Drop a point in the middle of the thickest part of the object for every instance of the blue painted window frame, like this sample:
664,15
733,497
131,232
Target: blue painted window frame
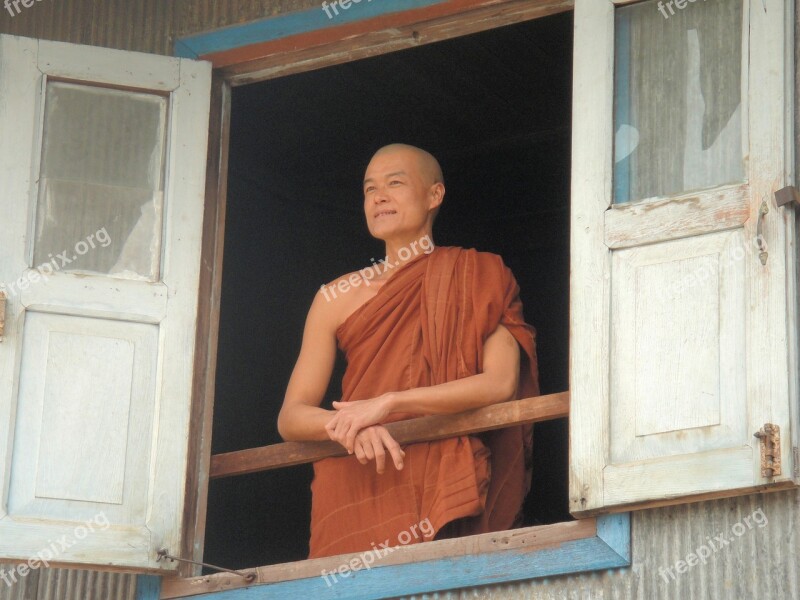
609,548
295,23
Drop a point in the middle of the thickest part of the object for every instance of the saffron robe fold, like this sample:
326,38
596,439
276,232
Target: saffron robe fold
427,325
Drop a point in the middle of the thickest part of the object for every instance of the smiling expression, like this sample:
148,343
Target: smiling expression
399,195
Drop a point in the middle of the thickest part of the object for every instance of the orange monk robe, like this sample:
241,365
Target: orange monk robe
427,325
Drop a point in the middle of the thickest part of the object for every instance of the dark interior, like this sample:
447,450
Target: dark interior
494,108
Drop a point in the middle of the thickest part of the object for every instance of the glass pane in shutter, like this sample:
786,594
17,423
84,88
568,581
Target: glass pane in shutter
100,200
677,97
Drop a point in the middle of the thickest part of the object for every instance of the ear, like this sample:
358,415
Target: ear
436,195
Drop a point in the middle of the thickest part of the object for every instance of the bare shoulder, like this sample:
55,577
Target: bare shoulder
344,295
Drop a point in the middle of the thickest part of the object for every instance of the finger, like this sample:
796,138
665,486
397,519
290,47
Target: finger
369,452
331,425
337,405
331,433
347,436
331,429
339,439
341,430
361,453
350,438
395,451
380,455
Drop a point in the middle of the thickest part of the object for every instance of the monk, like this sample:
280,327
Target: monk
428,330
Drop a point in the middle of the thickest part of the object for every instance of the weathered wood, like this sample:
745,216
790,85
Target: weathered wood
683,499
201,420
117,352
676,217
678,343
527,539
496,416
372,37
589,293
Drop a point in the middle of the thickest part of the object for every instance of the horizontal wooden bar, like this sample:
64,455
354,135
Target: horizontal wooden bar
495,416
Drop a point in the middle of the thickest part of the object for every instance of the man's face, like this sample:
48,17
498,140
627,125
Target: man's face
397,195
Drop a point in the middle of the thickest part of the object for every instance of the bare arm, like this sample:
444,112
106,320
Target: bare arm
301,417
496,383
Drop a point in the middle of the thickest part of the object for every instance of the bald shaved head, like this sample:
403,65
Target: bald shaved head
424,163
403,190
428,165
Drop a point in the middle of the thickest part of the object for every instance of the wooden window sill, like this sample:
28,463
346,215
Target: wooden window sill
545,550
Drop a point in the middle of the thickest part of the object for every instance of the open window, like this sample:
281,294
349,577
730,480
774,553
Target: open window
506,162
682,299
294,220
670,165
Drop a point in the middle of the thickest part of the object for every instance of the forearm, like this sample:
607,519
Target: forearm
496,383
454,396
303,423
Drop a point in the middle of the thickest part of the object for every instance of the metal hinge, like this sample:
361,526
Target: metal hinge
770,437
796,453
787,195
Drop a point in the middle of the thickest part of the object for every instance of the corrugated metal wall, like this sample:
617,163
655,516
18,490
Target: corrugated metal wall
759,562
97,22
762,563
141,25
70,584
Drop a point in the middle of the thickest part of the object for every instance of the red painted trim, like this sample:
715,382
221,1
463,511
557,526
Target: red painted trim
334,34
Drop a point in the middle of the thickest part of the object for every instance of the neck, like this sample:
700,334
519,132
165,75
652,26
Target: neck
399,252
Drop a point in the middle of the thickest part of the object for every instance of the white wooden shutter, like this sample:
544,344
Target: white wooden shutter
682,343
102,163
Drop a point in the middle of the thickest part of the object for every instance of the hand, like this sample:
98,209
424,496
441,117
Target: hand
352,417
372,442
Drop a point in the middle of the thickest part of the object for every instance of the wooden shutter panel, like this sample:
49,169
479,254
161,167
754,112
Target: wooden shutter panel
682,340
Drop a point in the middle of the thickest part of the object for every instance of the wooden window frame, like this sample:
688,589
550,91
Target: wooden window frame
513,555
299,42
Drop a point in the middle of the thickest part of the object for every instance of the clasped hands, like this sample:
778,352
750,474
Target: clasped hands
356,426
